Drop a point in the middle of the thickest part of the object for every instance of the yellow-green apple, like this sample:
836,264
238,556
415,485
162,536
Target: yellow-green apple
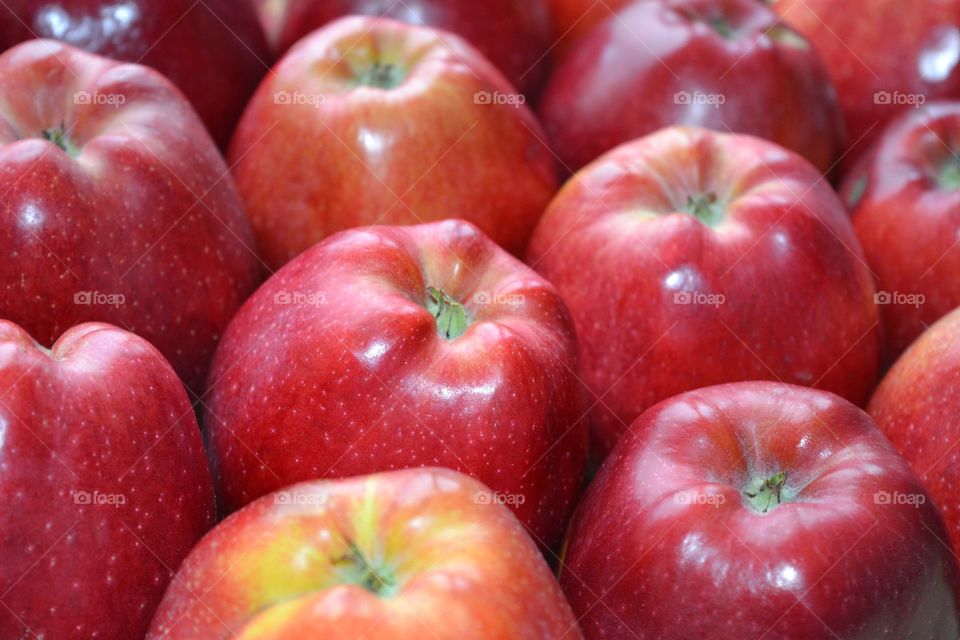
759,510
724,64
690,258
116,207
904,196
513,34
214,51
103,482
917,406
375,121
392,347
420,553
884,57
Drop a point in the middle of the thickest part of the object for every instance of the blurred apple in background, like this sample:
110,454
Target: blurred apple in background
573,18
513,34
414,554
905,200
116,207
884,56
214,51
103,481
690,258
917,406
759,510
393,347
373,121
723,64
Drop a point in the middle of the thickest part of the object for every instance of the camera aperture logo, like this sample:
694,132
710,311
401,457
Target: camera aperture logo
299,298
699,298
298,98
897,498
499,98
98,299
715,100
915,300
115,100
98,499
504,499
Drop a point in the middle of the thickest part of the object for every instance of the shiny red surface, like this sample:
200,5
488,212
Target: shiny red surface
797,299
103,482
664,544
335,367
661,63
573,18
141,226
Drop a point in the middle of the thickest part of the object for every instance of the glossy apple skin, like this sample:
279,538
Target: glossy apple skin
666,526
102,414
917,406
797,300
357,379
513,34
572,19
889,46
146,209
215,51
908,222
422,151
623,81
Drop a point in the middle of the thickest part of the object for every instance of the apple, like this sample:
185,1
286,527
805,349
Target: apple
420,553
690,258
372,121
573,18
759,510
103,481
904,196
723,64
883,59
215,51
117,207
392,347
917,406
513,34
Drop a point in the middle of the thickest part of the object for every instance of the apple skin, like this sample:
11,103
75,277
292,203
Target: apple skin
215,51
144,210
889,48
782,290
103,480
667,522
335,367
422,151
445,561
904,199
572,19
917,406
629,76
513,34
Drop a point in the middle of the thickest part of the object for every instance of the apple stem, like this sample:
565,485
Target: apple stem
769,494
451,316
382,75
948,178
705,208
58,136
366,576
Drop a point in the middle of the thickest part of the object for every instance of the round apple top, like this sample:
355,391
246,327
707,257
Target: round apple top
755,510
423,553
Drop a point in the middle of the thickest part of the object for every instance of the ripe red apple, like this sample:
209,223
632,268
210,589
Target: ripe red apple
116,207
421,553
374,121
393,347
723,64
103,482
917,406
573,18
214,51
513,34
759,510
884,59
690,258
905,200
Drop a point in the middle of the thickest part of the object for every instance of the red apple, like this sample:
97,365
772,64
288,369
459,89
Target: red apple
905,201
884,58
759,510
723,64
116,207
103,482
573,18
371,121
393,347
214,51
424,553
918,407
513,34
690,258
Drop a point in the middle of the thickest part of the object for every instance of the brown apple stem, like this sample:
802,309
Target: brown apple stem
451,316
58,136
364,574
769,494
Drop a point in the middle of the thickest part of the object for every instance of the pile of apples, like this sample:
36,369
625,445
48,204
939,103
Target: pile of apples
479,319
